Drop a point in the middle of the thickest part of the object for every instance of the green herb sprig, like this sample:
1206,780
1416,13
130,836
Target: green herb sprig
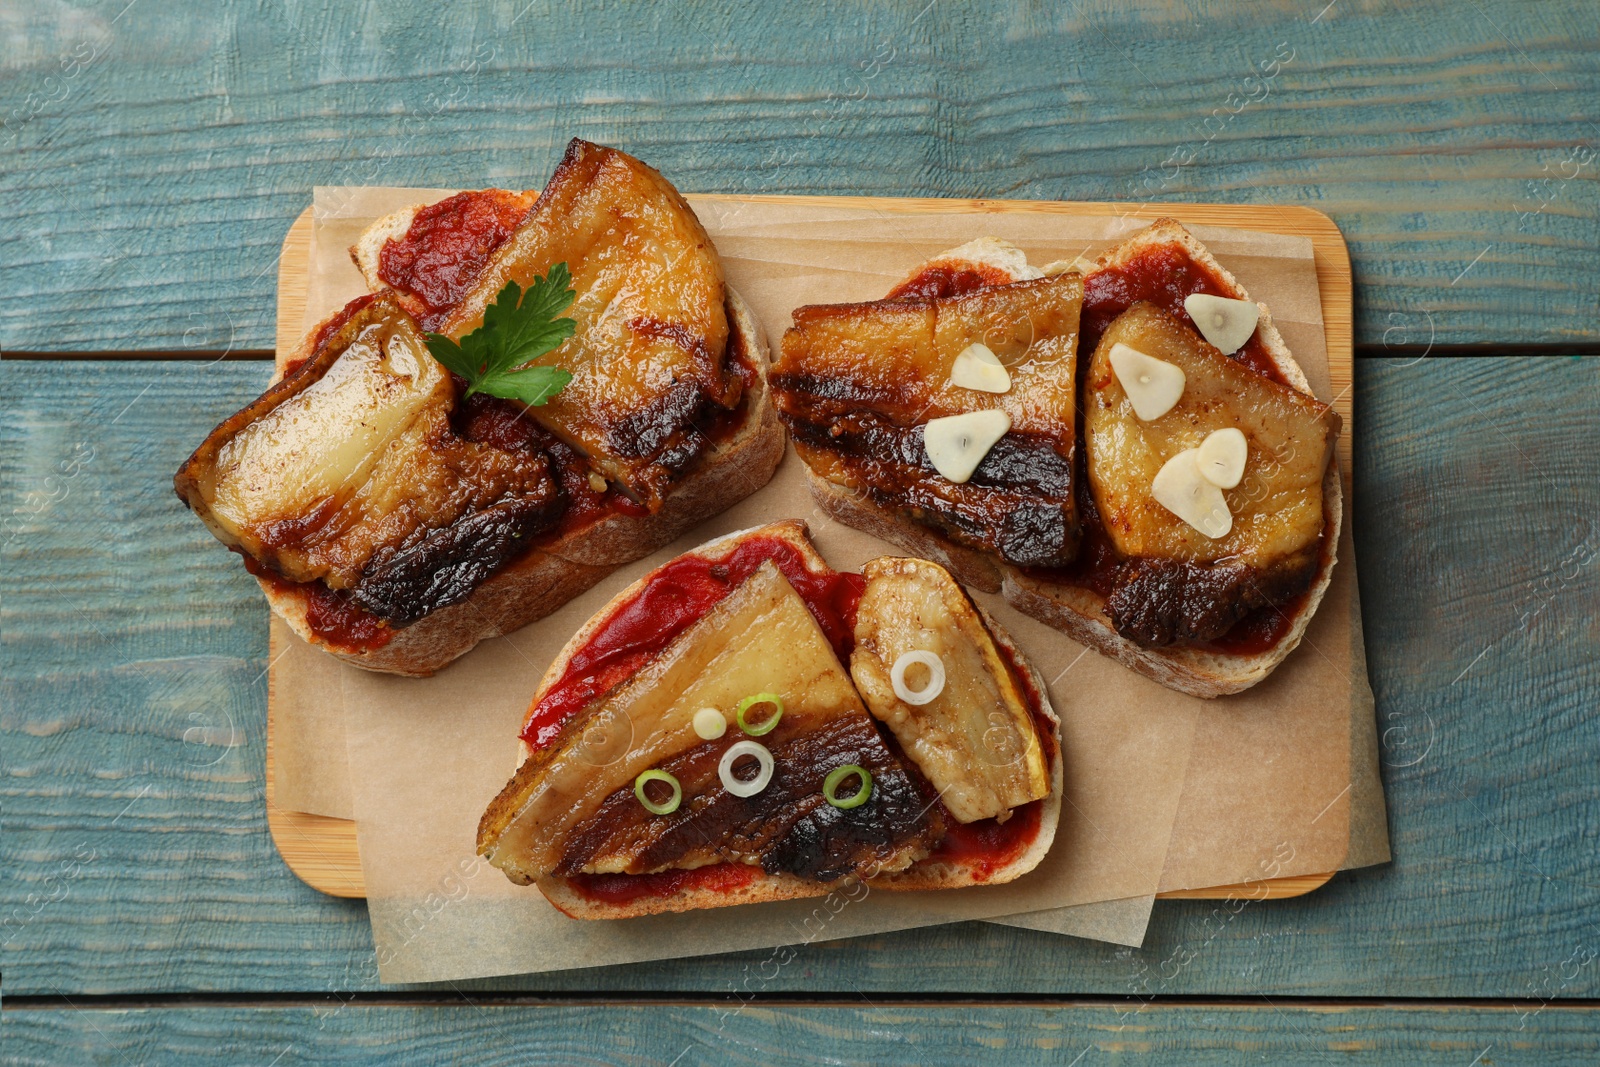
519,326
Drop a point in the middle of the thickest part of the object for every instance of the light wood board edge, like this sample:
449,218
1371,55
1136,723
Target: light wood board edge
322,852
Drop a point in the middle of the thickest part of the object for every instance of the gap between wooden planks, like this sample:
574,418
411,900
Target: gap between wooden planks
322,851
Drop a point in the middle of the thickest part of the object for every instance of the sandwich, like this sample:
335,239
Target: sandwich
1127,452
535,391
745,724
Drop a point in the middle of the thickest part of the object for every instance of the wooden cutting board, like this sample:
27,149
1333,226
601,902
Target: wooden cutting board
322,851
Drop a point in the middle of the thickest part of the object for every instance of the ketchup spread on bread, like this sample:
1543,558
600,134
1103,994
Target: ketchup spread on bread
626,888
674,597
935,282
1260,630
442,254
987,846
1163,276
330,616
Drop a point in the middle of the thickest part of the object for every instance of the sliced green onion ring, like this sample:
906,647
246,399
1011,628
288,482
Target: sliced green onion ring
836,777
672,802
766,725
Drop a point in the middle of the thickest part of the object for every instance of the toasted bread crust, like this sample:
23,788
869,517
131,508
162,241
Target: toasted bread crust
764,889
987,256
770,887
546,578
367,252
1078,612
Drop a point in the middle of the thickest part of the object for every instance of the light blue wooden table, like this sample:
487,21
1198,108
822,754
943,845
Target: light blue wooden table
154,155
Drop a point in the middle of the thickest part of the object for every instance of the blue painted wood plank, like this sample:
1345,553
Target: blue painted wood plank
1201,1036
153,159
132,715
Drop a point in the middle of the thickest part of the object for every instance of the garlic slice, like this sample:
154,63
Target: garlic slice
1226,323
1153,385
1183,490
977,367
1221,457
710,724
957,443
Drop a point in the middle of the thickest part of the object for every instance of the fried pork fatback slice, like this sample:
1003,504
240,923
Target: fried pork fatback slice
976,740
571,807
1180,582
348,472
647,358
857,382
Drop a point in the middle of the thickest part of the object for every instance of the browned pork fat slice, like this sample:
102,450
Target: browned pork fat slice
648,355
348,472
571,808
1179,582
856,384
974,734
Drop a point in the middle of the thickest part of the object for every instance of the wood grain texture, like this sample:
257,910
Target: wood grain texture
629,1036
324,853
132,722
153,159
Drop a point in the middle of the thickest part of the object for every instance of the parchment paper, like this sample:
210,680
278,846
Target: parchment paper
426,755
310,768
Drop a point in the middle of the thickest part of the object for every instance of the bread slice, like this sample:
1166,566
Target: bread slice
545,578
1074,610
367,252
1080,613
924,874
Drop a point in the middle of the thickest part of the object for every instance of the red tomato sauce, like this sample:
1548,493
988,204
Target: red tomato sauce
329,615
1260,630
444,251
626,888
935,282
1164,276
674,597
339,622
987,846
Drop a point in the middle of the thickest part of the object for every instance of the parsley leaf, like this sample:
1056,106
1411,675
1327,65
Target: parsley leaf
518,327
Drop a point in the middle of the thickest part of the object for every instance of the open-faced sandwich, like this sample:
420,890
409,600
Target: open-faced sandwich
1129,453
746,724
536,391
